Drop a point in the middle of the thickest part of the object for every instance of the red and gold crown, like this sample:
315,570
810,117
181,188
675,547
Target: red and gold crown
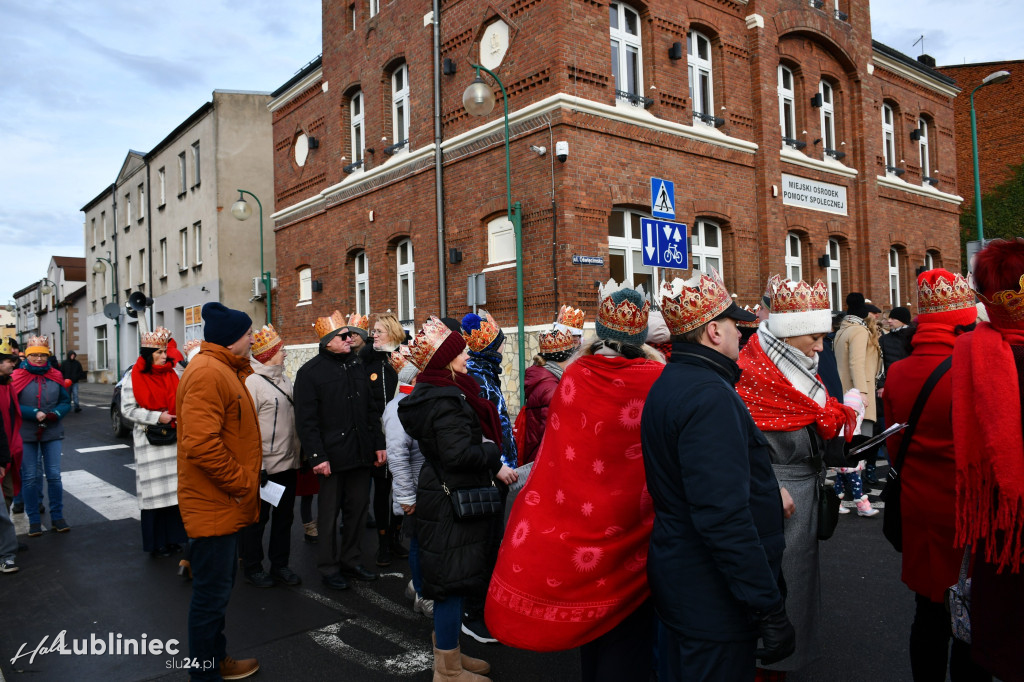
570,319
940,291
397,358
266,343
357,320
325,325
688,304
1006,308
787,296
157,338
556,341
753,311
625,317
190,346
484,335
426,342
37,344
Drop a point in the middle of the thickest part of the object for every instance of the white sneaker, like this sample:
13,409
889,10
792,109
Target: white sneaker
864,508
843,509
8,566
424,606
410,592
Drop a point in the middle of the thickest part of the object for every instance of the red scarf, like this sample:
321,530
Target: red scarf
155,390
484,408
989,444
23,377
777,405
11,421
573,562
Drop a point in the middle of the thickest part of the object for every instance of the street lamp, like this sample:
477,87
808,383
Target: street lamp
994,78
99,267
242,210
50,287
479,101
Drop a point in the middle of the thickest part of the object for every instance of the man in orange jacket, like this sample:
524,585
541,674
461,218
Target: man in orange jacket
219,461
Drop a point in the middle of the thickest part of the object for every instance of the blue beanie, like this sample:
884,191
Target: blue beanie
471,322
224,326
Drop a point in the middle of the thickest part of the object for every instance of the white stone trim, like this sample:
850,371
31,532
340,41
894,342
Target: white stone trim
926,191
295,208
493,268
755,21
914,75
294,91
828,166
361,176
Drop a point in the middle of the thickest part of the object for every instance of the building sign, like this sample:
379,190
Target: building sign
817,196
587,260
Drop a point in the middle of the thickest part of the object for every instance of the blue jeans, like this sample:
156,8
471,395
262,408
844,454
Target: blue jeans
414,564
32,478
214,562
448,622
74,394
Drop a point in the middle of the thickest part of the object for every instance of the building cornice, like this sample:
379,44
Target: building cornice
295,90
797,159
929,191
899,69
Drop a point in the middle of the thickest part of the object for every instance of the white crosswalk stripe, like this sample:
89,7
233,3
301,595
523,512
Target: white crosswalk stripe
108,500
104,448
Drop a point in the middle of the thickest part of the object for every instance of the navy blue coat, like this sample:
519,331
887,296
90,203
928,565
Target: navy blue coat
716,547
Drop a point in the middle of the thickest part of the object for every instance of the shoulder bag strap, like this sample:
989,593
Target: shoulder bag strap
269,381
915,414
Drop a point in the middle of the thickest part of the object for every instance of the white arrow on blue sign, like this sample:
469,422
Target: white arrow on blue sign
665,244
663,199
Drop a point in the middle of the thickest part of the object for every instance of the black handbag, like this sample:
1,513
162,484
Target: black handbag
161,434
472,504
892,520
828,510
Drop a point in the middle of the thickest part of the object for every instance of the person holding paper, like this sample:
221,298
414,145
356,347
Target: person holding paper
271,392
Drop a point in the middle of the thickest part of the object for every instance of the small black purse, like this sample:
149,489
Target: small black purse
472,504
161,434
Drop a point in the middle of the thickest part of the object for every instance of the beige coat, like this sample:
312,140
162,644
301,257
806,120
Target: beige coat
271,391
858,357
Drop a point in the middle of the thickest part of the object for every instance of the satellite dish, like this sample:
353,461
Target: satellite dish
112,310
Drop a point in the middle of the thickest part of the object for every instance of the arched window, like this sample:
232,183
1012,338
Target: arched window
889,137
787,105
894,277
625,249
706,246
698,50
834,275
406,280
305,285
794,264
924,148
828,117
357,127
362,272
627,64
400,106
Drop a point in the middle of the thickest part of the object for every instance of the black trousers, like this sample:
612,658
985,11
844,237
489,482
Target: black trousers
346,493
929,647
625,652
250,539
681,659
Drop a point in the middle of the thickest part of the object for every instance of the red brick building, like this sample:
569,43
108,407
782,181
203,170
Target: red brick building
999,110
788,133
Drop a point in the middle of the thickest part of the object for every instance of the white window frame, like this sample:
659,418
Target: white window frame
94,242
197,230
128,270
357,126
400,103
888,137
406,273
926,163
894,277
101,361
632,249
127,210
163,257
828,116
305,284
142,266
142,201
183,243
103,219
624,43
699,249
794,258
182,178
929,260
834,274
787,103
362,281
501,241
196,175
194,330
374,8
700,73
162,175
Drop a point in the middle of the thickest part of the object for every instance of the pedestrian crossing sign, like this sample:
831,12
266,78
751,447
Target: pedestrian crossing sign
663,199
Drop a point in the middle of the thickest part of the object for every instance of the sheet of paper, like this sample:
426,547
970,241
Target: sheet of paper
272,493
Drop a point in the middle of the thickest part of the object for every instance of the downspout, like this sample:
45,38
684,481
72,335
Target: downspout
117,286
554,220
149,245
438,163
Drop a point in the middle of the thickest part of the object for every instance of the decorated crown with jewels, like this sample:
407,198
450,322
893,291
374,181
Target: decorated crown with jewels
264,339
426,342
41,342
753,311
484,335
687,304
190,346
787,296
397,358
1006,308
157,338
625,317
556,341
942,294
325,325
570,318
357,320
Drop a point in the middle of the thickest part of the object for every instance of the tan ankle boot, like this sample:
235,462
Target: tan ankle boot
473,665
448,667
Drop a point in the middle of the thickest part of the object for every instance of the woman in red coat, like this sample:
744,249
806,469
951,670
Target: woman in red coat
541,383
931,560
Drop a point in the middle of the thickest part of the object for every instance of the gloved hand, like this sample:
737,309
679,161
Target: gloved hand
263,478
778,638
51,417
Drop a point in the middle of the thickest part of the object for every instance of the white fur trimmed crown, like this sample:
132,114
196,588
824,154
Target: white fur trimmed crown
798,308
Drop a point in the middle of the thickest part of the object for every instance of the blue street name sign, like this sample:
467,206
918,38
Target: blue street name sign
665,244
663,199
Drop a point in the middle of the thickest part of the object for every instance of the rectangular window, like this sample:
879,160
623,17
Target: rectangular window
163,257
828,117
374,8
625,252
706,245
406,280
501,241
142,266
894,277
627,60
100,359
794,263
94,242
193,323
128,273
198,230
127,211
162,178
787,108
183,235
835,275
926,167
182,182
305,285
358,133
888,137
142,201
362,284
400,105
195,164
352,16
698,49
103,219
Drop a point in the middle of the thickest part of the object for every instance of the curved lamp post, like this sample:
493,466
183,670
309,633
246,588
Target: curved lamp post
478,99
993,78
50,287
99,267
242,210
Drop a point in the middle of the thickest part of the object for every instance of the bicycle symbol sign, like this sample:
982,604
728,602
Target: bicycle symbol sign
665,244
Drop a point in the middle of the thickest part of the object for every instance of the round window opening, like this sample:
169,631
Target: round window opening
301,149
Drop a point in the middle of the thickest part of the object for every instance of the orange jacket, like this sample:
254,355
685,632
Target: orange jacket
219,445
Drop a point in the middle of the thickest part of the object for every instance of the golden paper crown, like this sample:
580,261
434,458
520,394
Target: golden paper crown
325,325
37,344
265,339
787,296
940,294
625,317
426,342
484,335
397,358
688,304
556,341
157,338
1006,308
570,318
753,311
190,346
5,347
360,321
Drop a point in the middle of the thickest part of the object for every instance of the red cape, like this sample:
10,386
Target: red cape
22,378
573,562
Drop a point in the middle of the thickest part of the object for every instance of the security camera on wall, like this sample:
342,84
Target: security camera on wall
562,151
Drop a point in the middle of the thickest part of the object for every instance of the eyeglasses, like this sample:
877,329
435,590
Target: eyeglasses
374,332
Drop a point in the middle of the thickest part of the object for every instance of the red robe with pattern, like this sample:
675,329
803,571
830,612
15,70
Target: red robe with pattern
573,563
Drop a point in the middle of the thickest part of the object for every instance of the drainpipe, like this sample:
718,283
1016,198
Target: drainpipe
117,286
150,280
438,164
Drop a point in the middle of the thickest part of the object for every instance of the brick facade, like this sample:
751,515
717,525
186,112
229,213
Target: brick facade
561,88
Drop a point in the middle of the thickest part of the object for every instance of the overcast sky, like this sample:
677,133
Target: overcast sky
83,82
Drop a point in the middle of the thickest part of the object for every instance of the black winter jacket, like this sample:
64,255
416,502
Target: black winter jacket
382,377
716,547
453,555
333,412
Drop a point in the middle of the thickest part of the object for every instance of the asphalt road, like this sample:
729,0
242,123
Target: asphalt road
95,584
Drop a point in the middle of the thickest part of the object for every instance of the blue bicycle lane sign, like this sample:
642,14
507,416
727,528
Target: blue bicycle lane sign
665,244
